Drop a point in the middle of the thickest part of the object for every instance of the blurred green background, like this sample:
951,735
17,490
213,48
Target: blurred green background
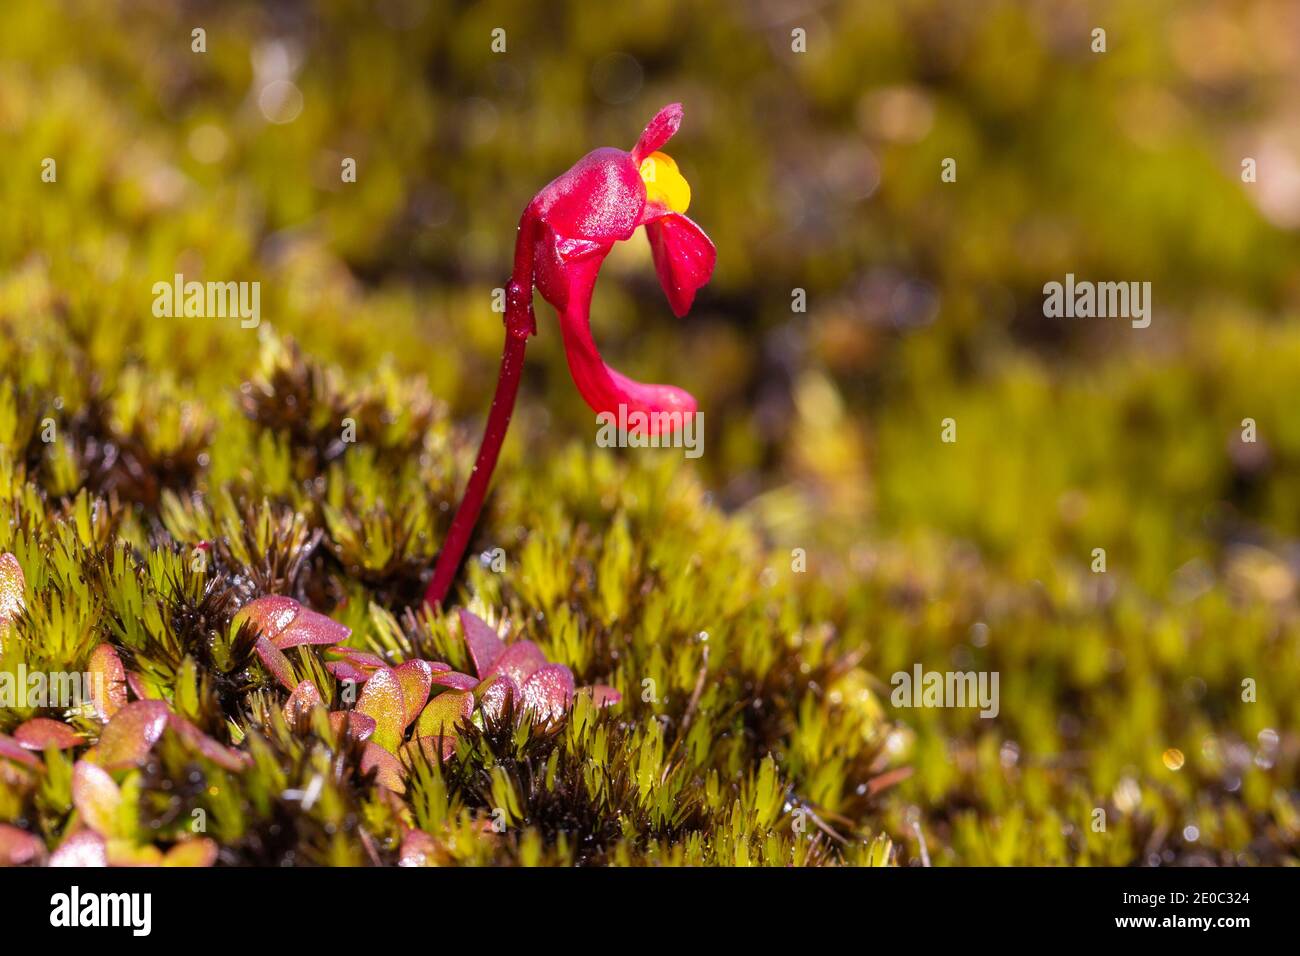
817,171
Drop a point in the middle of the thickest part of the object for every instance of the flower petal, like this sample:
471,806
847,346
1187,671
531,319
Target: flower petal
485,646
549,692
684,258
108,678
382,700
83,848
128,737
519,661
598,199
96,797
18,846
648,408
658,131
41,732
416,678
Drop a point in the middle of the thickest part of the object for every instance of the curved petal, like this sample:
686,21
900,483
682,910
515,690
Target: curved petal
684,258
662,407
658,131
599,198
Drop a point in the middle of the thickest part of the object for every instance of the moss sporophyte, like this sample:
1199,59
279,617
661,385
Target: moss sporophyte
565,234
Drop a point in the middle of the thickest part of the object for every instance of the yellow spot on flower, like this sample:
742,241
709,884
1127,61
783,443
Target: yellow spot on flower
664,184
1173,758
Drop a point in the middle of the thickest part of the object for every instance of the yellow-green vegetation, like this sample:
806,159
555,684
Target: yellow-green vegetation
1161,696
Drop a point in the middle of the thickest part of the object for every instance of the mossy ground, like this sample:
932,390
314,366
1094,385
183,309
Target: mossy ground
751,691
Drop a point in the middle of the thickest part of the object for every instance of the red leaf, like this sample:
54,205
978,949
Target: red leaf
41,732
360,727
418,849
218,753
549,692
197,852
382,700
389,770
602,695
360,658
128,737
83,848
300,703
456,680
494,692
108,678
347,671
13,589
484,644
96,797
311,627
17,752
275,662
18,846
270,615
416,678
441,719
518,661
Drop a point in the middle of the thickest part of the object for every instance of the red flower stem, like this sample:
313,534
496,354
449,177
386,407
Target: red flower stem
520,324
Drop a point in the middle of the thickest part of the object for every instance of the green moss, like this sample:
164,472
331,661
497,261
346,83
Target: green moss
756,725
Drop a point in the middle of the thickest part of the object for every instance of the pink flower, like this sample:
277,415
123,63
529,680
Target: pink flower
573,223
564,235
